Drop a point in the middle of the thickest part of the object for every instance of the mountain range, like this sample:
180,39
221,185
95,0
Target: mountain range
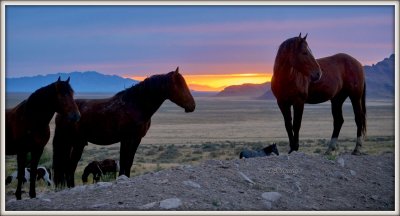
379,78
89,81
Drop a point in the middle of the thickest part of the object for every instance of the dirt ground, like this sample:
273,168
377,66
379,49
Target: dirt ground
277,183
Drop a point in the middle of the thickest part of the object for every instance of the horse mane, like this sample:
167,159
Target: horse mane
281,59
151,85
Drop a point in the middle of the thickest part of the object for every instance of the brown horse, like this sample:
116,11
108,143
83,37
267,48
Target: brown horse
300,78
27,126
99,169
124,118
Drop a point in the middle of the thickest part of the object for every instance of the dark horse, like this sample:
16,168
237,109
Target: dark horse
300,78
267,151
124,118
27,126
98,169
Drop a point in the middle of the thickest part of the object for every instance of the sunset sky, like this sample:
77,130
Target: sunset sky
214,46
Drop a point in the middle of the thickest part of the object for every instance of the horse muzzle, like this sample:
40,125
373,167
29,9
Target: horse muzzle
190,108
74,117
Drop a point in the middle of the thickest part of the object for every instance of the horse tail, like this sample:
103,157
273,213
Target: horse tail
61,150
364,112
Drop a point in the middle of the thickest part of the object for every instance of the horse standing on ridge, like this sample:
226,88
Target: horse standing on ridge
299,78
123,118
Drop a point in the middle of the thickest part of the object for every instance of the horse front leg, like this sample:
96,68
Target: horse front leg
34,164
287,116
127,153
21,161
298,109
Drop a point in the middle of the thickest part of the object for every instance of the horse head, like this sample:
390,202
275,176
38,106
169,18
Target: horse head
179,92
65,100
301,58
275,149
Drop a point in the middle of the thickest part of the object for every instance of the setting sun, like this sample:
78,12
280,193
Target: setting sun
217,82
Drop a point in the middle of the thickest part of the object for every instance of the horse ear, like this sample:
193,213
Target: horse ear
59,79
300,35
68,79
177,70
305,37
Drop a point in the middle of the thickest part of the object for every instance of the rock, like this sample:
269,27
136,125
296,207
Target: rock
352,172
375,197
81,188
271,196
148,206
171,203
99,205
46,200
163,181
191,184
103,184
246,178
122,178
268,205
340,161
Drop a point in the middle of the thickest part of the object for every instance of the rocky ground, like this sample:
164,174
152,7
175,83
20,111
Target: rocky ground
278,183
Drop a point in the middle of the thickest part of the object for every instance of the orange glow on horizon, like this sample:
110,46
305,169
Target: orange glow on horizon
217,82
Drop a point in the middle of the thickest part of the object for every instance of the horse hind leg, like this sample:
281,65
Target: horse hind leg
360,122
337,113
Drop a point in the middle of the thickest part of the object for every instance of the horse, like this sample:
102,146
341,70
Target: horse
124,118
299,78
27,126
267,151
42,173
98,169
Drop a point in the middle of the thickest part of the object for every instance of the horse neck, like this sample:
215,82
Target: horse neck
86,173
268,149
41,105
147,98
284,72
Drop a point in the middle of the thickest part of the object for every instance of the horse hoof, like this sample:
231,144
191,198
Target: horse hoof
329,151
32,195
291,150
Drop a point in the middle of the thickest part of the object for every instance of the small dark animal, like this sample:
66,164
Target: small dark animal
42,173
267,151
98,169
124,118
299,78
27,126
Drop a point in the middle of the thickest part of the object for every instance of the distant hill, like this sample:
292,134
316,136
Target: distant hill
379,77
245,90
89,81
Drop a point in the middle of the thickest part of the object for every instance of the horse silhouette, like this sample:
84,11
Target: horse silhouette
123,118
